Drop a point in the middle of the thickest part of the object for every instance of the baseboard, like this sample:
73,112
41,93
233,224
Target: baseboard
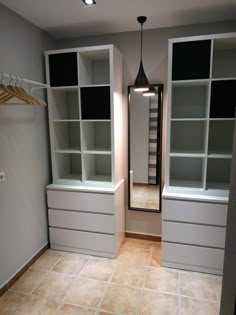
148,237
22,270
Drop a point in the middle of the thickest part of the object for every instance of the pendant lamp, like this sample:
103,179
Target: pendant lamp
150,92
141,83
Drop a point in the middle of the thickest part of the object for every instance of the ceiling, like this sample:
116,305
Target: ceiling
71,18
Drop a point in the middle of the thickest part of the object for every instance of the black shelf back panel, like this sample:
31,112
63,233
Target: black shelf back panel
95,102
191,60
223,99
63,69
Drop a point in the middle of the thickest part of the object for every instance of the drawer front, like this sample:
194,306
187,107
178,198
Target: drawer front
210,258
82,240
79,201
194,212
193,234
92,222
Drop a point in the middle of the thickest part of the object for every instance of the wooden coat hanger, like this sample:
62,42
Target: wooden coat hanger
18,95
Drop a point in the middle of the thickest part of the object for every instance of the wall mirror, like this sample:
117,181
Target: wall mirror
144,149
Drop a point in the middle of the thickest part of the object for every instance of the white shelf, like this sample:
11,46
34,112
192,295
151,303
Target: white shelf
223,79
221,119
98,151
73,88
219,155
186,83
188,119
94,85
65,120
70,150
182,154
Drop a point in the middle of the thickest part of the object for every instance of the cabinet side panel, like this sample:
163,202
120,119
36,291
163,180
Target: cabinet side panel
119,215
118,119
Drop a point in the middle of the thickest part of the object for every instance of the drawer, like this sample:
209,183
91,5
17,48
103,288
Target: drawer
80,201
208,258
92,222
82,240
201,235
194,212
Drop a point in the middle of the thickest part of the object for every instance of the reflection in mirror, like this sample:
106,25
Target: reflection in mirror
144,171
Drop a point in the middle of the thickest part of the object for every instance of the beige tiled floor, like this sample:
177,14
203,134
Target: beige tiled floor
134,283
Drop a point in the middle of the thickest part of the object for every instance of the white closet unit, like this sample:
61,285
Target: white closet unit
201,115
86,199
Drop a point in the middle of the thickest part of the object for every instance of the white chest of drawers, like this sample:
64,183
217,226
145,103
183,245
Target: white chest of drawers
86,222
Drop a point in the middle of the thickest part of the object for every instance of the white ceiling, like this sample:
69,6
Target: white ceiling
71,18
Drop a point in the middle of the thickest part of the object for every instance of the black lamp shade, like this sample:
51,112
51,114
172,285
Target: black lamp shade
141,82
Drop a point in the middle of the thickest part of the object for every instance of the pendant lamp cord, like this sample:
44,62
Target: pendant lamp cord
141,48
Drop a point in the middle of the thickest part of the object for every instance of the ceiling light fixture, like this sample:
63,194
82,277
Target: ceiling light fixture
150,92
141,83
89,2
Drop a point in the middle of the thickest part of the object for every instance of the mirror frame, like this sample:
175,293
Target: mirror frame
159,148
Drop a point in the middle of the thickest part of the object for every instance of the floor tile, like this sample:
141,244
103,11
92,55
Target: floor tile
198,285
153,303
70,264
68,309
55,286
121,299
38,306
29,280
134,256
10,301
155,260
106,313
86,292
99,269
218,282
199,307
156,245
129,275
47,260
162,279
133,242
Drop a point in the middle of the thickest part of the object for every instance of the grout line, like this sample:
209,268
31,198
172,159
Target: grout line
179,297
106,289
144,281
76,278
216,292
29,294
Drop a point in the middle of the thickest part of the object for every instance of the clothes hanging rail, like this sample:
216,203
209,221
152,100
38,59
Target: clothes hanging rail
16,95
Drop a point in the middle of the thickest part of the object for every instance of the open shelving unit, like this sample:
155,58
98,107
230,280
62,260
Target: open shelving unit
201,120
201,113
86,200
82,112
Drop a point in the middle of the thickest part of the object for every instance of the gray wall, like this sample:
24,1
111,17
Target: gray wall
24,151
155,59
139,136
